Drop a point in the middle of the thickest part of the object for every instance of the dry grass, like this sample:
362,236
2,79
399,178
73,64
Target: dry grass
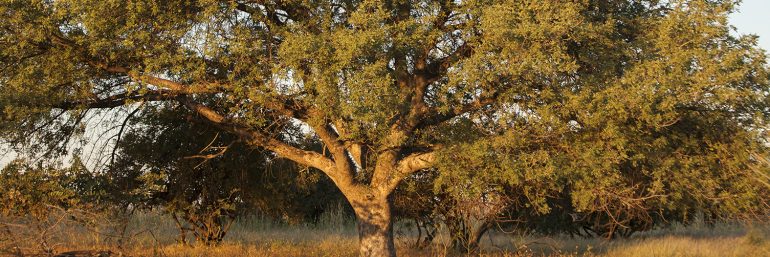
152,235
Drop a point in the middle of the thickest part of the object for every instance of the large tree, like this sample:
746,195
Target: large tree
391,86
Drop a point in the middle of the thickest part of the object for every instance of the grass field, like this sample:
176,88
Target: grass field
153,235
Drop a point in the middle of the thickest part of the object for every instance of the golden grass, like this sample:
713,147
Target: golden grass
153,235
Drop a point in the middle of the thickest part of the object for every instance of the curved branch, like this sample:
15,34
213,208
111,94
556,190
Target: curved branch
410,164
171,90
416,162
339,152
254,137
120,133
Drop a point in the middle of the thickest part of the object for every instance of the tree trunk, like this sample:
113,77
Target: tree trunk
375,229
475,239
458,233
465,238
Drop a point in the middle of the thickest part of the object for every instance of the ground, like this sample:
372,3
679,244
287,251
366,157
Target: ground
154,235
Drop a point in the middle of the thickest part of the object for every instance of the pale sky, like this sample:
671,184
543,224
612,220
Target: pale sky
753,17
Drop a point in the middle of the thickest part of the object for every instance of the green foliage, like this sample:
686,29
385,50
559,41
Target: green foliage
28,190
37,203
33,190
666,129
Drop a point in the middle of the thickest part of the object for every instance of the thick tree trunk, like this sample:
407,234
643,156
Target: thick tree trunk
375,229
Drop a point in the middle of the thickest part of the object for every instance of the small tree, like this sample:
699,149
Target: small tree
37,202
431,206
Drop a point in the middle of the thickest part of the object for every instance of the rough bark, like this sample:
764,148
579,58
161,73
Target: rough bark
375,228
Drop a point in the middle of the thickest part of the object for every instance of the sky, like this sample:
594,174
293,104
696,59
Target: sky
753,17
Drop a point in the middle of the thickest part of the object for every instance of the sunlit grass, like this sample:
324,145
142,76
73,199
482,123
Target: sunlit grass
151,234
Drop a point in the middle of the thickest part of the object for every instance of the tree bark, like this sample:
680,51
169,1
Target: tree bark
475,240
465,238
375,227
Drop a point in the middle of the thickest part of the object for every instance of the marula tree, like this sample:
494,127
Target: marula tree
391,87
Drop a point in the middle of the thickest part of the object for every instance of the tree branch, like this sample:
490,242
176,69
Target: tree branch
116,100
253,137
416,162
438,118
120,133
179,92
411,164
342,160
